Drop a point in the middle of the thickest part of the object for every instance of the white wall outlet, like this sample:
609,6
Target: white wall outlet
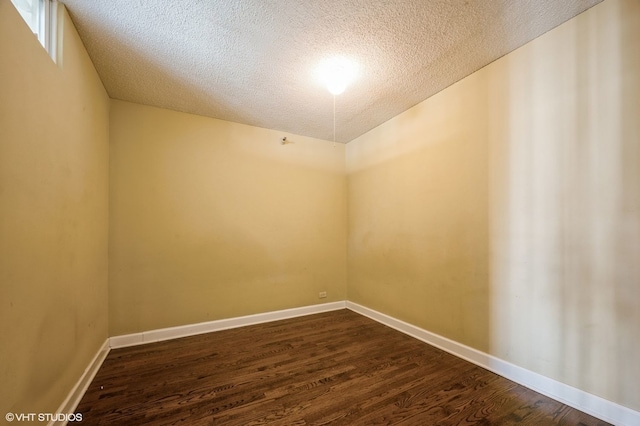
322,294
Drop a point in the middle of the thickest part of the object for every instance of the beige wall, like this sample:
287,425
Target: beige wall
504,212
53,216
211,219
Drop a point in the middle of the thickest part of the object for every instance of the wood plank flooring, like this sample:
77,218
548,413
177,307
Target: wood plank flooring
337,368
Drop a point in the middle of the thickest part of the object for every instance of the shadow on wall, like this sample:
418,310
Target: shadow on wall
565,205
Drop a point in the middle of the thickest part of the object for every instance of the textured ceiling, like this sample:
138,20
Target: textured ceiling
254,61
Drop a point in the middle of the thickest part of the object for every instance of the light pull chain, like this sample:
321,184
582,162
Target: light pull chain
334,121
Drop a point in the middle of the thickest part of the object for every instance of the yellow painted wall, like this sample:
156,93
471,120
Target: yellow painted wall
53,216
504,212
211,219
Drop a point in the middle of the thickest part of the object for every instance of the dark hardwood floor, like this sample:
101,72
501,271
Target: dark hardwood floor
336,368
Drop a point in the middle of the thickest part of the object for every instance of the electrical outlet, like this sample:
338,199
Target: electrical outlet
322,294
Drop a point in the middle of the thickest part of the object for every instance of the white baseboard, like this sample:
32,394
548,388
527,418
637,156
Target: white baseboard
75,396
77,392
218,325
576,398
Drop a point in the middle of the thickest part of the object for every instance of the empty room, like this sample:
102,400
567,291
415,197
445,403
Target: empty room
297,212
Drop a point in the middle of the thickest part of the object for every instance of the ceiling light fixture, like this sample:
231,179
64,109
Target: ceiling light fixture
336,74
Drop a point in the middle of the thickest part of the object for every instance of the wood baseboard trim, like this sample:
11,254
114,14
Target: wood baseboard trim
218,325
77,392
576,398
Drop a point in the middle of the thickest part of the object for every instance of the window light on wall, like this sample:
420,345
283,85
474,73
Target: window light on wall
40,16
